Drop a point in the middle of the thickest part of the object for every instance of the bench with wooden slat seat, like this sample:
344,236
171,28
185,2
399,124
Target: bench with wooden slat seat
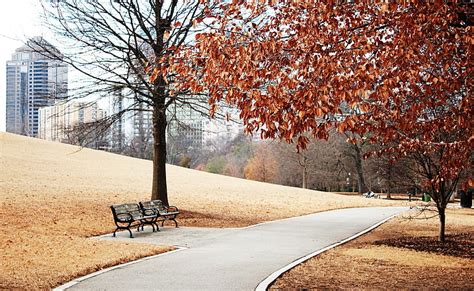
132,215
164,212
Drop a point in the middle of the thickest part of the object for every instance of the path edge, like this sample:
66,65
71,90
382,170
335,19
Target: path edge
80,279
263,286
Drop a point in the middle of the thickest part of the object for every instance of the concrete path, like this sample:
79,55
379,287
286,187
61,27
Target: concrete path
234,259
186,237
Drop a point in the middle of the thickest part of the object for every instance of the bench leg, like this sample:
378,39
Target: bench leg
127,228
122,227
150,222
175,222
173,219
153,224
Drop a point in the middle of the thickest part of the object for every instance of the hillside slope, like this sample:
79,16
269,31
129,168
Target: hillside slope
53,196
34,167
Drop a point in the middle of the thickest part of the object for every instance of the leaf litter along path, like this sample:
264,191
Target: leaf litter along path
369,262
238,259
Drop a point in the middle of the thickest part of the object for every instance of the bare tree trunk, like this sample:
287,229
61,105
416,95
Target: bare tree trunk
264,169
159,188
389,195
442,223
303,161
305,177
360,173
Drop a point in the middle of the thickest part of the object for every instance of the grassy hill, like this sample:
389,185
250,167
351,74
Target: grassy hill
53,196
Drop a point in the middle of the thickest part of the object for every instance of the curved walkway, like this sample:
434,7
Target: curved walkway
236,259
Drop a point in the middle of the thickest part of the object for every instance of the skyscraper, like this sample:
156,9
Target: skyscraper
118,127
35,78
60,122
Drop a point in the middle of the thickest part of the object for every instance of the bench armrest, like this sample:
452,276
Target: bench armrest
172,209
124,217
150,212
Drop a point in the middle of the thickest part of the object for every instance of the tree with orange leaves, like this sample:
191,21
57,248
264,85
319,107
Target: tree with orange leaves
395,74
262,166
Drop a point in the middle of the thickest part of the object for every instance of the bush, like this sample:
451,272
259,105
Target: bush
216,165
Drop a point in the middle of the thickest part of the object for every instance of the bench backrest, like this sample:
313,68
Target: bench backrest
121,211
154,204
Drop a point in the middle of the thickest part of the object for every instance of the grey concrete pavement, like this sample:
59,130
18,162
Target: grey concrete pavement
235,259
187,237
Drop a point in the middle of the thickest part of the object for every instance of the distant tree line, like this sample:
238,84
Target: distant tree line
332,165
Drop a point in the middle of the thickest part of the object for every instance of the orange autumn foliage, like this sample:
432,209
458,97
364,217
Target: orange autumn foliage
399,73
262,166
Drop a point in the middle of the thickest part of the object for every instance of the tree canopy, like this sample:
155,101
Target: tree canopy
396,71
399,75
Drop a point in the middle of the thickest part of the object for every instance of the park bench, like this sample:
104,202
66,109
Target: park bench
132,215
164,212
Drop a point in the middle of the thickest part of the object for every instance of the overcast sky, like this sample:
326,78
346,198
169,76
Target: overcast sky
19,19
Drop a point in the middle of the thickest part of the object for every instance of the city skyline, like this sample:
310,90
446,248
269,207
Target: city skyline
32,25
34,80
19,20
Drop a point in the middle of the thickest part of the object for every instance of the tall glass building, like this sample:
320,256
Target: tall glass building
36,77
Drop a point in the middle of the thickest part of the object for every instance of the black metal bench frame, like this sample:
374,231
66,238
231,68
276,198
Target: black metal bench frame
132,215
164,212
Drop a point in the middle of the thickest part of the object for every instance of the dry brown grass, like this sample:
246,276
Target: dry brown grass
53,196
361,264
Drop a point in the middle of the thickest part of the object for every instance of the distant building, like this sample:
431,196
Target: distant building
118,127
143,124
199,129
62,122
185,122
142,138
186,127
223,130
34,79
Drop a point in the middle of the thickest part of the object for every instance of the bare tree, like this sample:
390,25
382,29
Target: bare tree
89,134
428,166
113,44
354,148
319,166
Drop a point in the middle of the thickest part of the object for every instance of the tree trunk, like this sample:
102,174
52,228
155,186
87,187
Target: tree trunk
305,177
159,187
442,223
389,195
362,188
303,161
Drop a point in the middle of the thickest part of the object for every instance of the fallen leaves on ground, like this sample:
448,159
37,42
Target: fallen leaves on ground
456,245
400,254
